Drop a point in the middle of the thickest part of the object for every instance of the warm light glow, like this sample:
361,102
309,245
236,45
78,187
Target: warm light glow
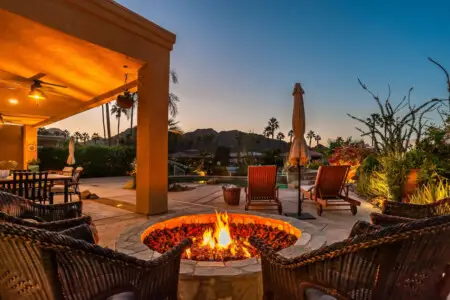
36,94
13,101
220,238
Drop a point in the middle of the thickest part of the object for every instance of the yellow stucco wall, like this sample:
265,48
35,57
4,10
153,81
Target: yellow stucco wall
11,143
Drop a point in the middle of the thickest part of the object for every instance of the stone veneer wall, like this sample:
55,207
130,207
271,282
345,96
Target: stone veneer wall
232,280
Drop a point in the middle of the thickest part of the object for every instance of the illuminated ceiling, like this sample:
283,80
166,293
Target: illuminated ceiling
88,70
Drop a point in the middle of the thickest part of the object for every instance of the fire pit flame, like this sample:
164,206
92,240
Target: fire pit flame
219,240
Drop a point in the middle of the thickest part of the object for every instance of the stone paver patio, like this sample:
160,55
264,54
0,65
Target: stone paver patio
113,212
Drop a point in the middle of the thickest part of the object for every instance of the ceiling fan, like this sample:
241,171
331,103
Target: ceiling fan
36,86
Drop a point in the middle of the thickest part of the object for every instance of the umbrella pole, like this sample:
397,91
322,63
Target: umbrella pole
300,215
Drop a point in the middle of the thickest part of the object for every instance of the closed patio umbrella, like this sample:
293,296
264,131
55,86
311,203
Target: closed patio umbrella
299,153
71,158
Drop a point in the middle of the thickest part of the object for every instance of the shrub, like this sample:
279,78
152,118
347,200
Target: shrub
431,192
396,171
97,160
348,155
315,164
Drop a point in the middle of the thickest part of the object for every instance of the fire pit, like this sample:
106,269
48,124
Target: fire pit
219,237
221,264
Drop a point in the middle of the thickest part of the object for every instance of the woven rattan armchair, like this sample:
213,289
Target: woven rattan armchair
49,265
20,207
398,212
406,261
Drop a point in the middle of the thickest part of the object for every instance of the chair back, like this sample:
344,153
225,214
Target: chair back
406,261
49,265
330,181
262,181
31,185
29,271
67,171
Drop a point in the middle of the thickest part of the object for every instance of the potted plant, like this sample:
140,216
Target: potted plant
126,100
33,164
6,167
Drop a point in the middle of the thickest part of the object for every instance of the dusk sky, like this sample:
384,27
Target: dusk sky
238,60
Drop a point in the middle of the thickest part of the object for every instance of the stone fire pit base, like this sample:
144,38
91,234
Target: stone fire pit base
232,280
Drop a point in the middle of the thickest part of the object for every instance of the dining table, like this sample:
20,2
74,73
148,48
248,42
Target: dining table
51,178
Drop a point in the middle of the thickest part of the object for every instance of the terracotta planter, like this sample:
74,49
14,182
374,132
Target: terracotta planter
232,195
410,185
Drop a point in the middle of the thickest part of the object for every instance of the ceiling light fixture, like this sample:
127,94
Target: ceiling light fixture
13,101
36,94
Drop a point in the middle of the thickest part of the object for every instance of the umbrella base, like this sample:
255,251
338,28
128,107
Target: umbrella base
302,216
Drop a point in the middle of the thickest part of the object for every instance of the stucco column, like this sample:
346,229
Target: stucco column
29,137
152,137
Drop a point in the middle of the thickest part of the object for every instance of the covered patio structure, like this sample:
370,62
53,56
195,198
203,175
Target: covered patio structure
84,45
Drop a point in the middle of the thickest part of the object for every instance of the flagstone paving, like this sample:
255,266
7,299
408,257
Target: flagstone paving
113,212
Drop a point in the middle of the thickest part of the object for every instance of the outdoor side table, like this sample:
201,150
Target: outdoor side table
231,195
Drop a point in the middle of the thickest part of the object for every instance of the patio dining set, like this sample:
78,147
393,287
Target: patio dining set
42,186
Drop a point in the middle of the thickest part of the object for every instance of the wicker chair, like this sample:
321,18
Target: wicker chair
405,261
49,265
20,207
398,212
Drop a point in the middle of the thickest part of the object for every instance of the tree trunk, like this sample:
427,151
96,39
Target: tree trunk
108,123
118,129
103,119
131,121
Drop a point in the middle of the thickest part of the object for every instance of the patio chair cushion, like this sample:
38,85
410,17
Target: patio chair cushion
314,294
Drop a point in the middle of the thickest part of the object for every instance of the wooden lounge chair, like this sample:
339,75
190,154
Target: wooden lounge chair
406,261
262,187
50,265
330,189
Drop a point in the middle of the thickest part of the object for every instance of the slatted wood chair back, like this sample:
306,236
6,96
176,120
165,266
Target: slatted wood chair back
262,182
31,185
330,181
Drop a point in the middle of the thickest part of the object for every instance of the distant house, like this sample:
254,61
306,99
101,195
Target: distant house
50,141
234,156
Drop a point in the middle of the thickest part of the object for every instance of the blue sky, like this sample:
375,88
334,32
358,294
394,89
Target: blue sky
237,60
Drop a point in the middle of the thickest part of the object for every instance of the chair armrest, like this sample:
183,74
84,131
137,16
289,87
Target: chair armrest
80,232
407,210
361,227
387,220
55,212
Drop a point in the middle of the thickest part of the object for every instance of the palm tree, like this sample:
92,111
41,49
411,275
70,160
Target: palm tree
280,136
108,123
132,111
117,111
77,136
273,126
85,137
103,119
291,135
95,137
310,135
267,132
66,134
173,99
317,138
173,127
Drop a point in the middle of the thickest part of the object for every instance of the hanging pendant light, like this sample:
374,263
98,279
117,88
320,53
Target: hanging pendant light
126,100
2,121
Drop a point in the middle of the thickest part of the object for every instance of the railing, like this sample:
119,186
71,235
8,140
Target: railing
176,168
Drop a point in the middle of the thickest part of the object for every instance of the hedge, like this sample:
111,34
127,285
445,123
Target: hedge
97,160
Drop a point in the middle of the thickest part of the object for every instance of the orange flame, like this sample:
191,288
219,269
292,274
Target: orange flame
220,238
